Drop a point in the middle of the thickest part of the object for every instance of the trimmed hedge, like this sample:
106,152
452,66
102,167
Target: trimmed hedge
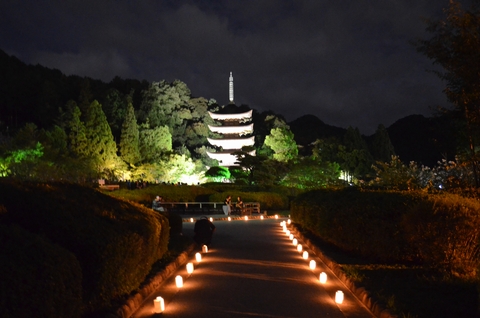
37,278
115,242
439,231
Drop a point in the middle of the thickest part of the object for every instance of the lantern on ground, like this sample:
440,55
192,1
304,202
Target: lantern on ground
191,220
289,221
198,257
291,236
299,247
305,255
323,277
276,216
158,305
246,218
189,268
313,264
339,297
229,218
211,219
295,242
204,249
179,281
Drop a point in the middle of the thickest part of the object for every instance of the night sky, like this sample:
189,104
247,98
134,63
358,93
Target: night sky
347,62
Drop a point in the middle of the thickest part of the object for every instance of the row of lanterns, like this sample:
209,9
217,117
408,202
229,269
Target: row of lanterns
159,302
339,296
230,218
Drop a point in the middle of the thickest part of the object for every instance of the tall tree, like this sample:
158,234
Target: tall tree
129,139
154,142
357,160
282,142
382,148
455,46
101,145
76,132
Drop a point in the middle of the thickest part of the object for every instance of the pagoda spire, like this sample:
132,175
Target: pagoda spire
230,88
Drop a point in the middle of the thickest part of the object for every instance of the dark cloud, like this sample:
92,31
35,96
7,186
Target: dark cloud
347,62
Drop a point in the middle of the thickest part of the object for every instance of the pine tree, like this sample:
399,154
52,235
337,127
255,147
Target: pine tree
154,142
129,139
77,137
382,148
101,145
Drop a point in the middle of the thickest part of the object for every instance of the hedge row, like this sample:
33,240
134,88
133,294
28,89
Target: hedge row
440,231
115,242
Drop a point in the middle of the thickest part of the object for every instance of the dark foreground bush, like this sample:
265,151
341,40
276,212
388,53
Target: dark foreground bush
37,278
441,231
115,242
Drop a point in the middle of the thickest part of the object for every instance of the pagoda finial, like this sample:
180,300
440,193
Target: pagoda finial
230,88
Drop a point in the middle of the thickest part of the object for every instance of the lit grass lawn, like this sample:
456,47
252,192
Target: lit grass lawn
409,291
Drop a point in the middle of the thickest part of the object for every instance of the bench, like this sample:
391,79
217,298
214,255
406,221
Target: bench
110,187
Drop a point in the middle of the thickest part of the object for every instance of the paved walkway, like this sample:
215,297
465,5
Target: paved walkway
253,270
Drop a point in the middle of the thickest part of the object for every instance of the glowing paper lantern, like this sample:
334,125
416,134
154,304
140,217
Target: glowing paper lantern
204,249
229,218
282,223
323,277
189,268
295,242
289,221
305,255
198,257
288,232
211,219
299,247
291,236
276,216
246,218
191,220
261,217
339,297
313,264
179,281
158,305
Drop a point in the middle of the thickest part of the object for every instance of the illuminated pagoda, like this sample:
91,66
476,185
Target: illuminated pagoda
236,130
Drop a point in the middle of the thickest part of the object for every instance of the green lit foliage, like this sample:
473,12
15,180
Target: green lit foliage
21,162
282,142
250,164
171,168
101,145
154,142
218,174
396,175
75,129
129,139
310,173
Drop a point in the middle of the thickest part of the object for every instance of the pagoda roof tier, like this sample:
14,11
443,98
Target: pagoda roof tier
226,158
244,129
236,143
238,116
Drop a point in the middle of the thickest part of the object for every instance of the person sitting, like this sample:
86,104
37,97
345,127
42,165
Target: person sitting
157,204
239,205
203,231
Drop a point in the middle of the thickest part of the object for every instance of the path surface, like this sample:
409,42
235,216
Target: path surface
253,270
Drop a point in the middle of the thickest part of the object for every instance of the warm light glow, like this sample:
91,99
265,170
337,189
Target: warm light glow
179,281
291,236
295,242
299,247
323,277
189,268
289,221
204,249
288,233
246,218
198,257
229,218
191,220
261,217
158,305
339,297
313,264
282,223
211,219
305,255
276,216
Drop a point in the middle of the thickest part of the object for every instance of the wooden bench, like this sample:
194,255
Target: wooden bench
110,187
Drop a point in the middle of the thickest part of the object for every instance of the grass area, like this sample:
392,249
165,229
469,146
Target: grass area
408,290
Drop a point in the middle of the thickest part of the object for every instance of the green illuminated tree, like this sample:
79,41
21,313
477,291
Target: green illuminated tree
101,145
129,139
282,142
154,142
455,46
75,128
